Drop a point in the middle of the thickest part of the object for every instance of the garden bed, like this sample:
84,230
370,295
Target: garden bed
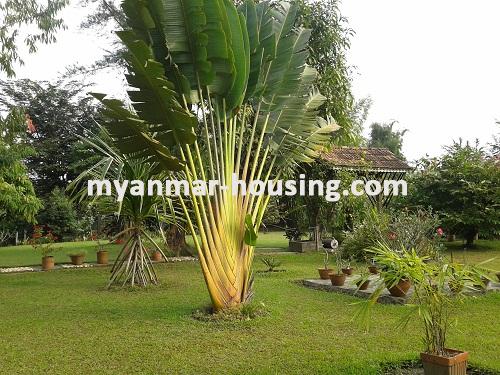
350,288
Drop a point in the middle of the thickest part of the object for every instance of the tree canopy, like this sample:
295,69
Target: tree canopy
462,187
17,196
384,135
42,20
60,113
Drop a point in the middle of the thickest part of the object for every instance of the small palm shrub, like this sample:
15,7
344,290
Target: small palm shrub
271,263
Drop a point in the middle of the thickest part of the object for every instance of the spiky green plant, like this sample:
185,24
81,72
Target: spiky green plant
133,266
238,79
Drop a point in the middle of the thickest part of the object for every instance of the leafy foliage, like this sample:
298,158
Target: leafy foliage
42,240
462,187
383,135
395,229
42,19
271,263
60,113
59,215
301,213
133,265
435,295
328,47
17,196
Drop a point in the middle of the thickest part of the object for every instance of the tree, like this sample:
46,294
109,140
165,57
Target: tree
133,265
244,73
328,47
60,112
41,19
59,215
383,135
17,196
462,187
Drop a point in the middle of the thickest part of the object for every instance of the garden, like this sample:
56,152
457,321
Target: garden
138,278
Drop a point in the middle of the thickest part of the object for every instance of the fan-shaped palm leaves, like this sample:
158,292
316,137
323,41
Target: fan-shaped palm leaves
237,78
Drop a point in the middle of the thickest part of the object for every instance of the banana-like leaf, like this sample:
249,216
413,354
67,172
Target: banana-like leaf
155,101
132,136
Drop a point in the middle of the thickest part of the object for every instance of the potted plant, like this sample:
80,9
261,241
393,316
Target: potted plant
363,281
43,242
77,258
338,278
372,268
348,270
399,268
434,304
156,256
325,271
102,253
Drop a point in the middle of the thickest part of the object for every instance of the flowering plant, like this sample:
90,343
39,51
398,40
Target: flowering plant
42,240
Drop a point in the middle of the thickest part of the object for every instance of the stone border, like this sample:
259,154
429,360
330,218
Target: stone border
350,288
23,269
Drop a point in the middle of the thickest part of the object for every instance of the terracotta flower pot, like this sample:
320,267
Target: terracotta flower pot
373,269
348,271
337,279
77,260
102,257
323,273
400,289
47,263
364,285
156,256
455,364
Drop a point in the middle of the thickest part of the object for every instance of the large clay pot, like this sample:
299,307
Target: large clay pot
324,272
102,257
364,285
156,256
455,364
348,271
400,289
47,263
77,260
337,279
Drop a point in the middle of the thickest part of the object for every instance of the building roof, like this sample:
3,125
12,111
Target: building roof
366,159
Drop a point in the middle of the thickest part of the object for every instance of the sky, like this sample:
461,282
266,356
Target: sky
433,66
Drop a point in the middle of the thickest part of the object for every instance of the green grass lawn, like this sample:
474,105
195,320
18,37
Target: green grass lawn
24,255
63,321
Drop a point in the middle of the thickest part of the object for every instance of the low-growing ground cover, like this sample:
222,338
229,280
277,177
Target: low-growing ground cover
65,322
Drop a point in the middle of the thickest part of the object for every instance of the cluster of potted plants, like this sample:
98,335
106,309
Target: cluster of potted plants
438,287
338,275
